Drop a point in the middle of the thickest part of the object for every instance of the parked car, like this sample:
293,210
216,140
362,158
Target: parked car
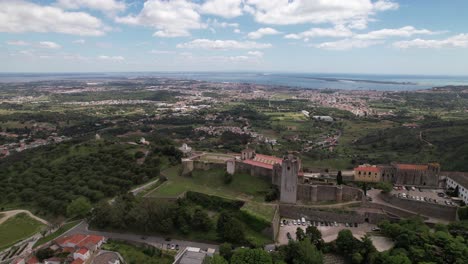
355,224
172,246
346,224
177,247
376,229
336,224
288,235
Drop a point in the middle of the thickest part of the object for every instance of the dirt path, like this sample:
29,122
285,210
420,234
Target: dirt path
9,214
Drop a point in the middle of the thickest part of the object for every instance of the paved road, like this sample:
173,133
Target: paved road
9,214
157,241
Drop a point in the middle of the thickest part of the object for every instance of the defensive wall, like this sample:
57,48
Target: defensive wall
328,193
423,208
338,215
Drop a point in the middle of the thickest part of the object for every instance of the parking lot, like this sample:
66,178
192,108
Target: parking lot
425,195
330,232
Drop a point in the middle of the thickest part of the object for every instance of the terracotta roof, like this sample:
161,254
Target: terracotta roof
82,251
33,260
78,261
74,239
367,169
90,240
264,161
411,166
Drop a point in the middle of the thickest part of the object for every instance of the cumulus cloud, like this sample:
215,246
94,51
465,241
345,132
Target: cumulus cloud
223,8
161,52
49,45
111,58
223,44
255,53
17,43
346,44
336,32
283,12
101,5
215,23
171,18
262,32
457,41
407,31
19,16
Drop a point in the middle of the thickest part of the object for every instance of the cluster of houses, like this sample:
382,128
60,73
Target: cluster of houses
75,249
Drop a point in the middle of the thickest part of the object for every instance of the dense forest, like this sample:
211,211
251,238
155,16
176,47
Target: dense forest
49,178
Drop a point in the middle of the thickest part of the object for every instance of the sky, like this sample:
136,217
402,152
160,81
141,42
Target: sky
426,37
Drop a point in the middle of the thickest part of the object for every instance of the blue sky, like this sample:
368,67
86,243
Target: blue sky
335,36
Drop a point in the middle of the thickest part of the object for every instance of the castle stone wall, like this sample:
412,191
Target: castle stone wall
424,208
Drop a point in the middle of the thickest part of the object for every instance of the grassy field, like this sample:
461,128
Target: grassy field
262,210
134,254
243,186
17,228
57,233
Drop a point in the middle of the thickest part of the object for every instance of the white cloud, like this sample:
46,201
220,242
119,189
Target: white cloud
255,53
171,18
336,32
49,45
262,32
346,44
223,44
457,41
407,31
111,58
79,41
284,12
161,52
384,5
237,31
17,16
223,8
17,43
101,5
215,23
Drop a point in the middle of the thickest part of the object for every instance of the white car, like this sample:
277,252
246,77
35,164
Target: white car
294,222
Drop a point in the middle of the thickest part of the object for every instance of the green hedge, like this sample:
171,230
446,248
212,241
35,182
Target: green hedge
254,222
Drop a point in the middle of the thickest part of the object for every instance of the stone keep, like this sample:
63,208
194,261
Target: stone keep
289,171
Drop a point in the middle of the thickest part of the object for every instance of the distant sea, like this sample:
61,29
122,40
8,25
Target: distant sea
303,80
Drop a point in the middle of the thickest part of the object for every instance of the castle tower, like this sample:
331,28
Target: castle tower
247,154
289,171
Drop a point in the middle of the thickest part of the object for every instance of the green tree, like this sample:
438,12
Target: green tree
339,178
300,235
79,207
314,235
307,254
201,220
225,250
217,259
346,243
251,256
386,187
357,258
227,178
230,228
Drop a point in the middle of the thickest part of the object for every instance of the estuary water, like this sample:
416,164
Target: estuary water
303,80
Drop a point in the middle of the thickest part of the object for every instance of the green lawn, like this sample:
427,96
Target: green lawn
243,186
17,228
57,233
262,210
134,254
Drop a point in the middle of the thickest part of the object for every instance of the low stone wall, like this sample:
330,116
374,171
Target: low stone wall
328,193
314,214
275,223
424,208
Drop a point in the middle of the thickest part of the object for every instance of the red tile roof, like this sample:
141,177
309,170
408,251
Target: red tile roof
367,169
90,240
78,261
411,166
263,161
33,260
82,251
74,239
